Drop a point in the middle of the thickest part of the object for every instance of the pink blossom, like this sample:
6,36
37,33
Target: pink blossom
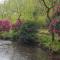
52,26
5,25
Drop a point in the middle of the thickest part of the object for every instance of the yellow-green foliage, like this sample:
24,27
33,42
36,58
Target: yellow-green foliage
46,40
29,10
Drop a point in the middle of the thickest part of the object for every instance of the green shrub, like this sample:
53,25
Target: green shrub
28,32
46,40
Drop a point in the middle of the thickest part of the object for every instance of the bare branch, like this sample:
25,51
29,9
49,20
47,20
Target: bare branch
45,4
48,9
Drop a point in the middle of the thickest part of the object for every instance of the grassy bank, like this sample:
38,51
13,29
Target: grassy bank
46,40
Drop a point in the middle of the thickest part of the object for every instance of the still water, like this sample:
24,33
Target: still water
8,51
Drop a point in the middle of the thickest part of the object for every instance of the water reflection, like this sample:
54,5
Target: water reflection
13,52
5,52
30,53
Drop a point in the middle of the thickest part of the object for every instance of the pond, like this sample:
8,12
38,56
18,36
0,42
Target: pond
8,51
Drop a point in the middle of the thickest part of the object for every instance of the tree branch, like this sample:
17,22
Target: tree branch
19,14
45,4
48,9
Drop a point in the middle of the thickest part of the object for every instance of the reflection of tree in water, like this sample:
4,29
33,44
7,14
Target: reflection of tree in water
30,53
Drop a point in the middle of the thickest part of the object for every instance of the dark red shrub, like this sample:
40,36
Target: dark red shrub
16,25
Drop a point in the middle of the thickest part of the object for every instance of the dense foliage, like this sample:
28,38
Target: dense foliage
28,32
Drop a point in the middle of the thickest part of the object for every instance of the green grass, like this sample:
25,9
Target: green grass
46,39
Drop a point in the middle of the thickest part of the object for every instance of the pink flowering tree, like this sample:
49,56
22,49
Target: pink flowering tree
5,25
54,27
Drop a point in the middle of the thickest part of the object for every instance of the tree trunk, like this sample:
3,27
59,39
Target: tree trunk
53,36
